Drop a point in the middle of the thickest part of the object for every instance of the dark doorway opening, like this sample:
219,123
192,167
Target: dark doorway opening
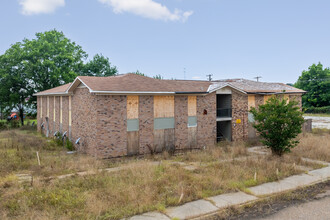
224,131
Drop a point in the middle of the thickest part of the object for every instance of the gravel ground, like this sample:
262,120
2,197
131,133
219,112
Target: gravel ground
319,122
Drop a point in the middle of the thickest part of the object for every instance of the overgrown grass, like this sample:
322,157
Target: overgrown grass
223,150
314,145
141,187
317,115
18,154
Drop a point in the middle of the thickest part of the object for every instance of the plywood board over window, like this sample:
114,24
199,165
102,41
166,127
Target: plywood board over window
163,106
286,96
132,107
266,97
192,105
252,101
132,125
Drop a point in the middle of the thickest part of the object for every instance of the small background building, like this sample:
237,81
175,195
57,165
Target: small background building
132,114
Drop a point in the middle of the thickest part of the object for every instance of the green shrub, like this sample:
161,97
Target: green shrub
318,110
14,124
3,125
69,145
278,123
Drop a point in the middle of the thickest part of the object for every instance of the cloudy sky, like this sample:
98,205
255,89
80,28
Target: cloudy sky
275,39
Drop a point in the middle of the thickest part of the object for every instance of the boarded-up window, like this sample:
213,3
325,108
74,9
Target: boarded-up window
132,107
192,111
192,121
132,124
163,123
286,96
266,97
132,113
192,105
164,106
252,101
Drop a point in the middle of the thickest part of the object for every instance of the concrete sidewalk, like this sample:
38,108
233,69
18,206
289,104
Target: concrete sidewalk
214,204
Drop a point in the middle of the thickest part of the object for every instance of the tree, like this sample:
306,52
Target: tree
48,61
316,81
52,60
99,66
278,123
14,85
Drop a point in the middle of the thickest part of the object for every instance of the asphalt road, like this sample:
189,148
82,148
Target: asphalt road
313,210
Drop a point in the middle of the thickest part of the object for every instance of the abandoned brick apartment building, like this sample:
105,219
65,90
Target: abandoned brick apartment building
131,114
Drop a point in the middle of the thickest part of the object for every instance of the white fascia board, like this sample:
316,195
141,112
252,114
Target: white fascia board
225,85
75,81
53,94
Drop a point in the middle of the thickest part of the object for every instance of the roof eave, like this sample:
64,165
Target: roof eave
53,94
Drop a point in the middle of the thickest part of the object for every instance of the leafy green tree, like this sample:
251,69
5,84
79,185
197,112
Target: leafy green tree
47,61
15,87
278,124
316,81
52,60
99,66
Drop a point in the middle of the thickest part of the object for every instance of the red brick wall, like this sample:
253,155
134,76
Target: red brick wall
181,121
259,100
146,123
206,124
83,112
111,126
297,98
239,111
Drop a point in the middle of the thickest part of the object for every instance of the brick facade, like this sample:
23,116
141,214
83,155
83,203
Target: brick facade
84,120
181,122
259,100
239,111
206,120
111,126
101,120
297,98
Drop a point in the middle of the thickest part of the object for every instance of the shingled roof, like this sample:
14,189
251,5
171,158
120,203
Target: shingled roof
60,90
249,86
136,83
133,83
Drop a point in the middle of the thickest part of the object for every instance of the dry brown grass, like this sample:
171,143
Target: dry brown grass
223,150
314,145
141,187
18,154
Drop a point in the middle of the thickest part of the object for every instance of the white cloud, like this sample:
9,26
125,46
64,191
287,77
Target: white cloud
196,77
148,9
31,7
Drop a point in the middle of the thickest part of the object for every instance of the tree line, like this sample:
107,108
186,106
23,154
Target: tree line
47,61
316,81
